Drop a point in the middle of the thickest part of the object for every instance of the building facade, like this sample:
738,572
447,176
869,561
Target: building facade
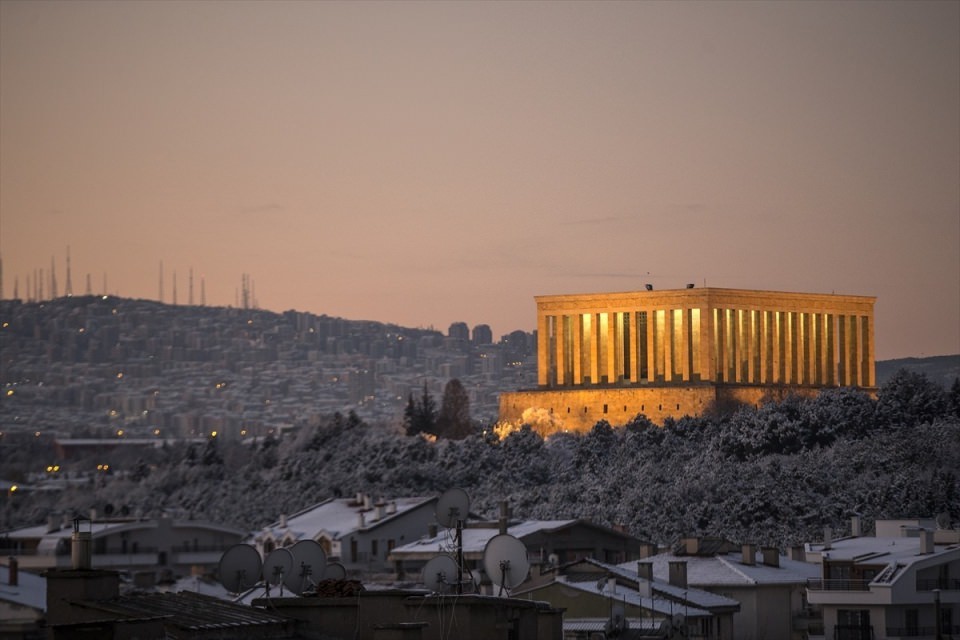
680,352
902,582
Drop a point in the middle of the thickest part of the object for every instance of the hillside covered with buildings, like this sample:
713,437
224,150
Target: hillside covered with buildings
238,416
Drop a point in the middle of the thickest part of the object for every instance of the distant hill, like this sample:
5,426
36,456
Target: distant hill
942,369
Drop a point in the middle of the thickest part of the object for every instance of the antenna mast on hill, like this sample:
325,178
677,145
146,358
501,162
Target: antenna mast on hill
68,286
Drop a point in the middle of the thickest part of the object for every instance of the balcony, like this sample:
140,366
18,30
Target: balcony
852,632
838,585
942,584
922,633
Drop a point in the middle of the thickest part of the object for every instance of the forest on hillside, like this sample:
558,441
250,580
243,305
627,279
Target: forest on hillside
775,475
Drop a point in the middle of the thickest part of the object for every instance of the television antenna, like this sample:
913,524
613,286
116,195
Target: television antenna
277,565
437,573
453,508
239,568
505,561
309,565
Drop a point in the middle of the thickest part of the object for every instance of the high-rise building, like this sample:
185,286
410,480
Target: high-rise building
612,356
482,335
460,331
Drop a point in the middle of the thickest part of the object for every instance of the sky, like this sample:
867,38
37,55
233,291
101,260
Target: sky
423,163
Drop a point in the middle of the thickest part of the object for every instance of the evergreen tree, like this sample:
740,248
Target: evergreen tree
410,416
453,421
420,417
427,413
910,398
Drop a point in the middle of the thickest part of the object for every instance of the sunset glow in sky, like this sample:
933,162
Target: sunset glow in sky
425,163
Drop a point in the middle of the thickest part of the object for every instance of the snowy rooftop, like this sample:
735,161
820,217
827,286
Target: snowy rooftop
903,550
339,516
633,597
475,539
30,590
729,570
691,594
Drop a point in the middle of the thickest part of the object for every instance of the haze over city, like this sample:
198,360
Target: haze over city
426,163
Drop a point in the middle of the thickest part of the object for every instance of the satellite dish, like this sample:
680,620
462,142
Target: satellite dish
440,573
452,506
309,564
505,561
277,565
239,568
335,571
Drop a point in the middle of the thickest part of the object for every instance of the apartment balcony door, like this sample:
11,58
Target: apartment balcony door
853,624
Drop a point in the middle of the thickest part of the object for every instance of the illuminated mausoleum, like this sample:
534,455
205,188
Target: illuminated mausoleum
612,356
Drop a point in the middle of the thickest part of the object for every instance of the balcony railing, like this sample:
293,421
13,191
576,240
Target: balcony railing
838,585
935,583
852,632
923,632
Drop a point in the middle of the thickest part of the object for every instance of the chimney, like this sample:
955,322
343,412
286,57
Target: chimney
81,549
381,510
361,520
14,567
645,571
611,585
678,573
503,516
52,524
771,556
359,497
647,550
392,506
827,538
283,521
367,502
748,554
926,541
691,545
855,527
798,553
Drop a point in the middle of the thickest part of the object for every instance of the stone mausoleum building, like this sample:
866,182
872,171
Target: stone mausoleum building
611,356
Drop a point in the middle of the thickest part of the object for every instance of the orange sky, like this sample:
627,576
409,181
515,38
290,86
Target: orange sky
425,163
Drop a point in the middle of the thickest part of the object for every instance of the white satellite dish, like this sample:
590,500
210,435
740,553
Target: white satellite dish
239,568
309,564
277,565
440,573
335,571
505,561
452,506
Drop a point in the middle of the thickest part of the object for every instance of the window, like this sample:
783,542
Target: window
911,619
373,548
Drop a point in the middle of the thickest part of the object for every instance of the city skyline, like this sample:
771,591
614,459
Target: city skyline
427,163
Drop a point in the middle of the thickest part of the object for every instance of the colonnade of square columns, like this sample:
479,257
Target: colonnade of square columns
712,335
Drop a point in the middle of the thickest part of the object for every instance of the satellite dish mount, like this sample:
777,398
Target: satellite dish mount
452,509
